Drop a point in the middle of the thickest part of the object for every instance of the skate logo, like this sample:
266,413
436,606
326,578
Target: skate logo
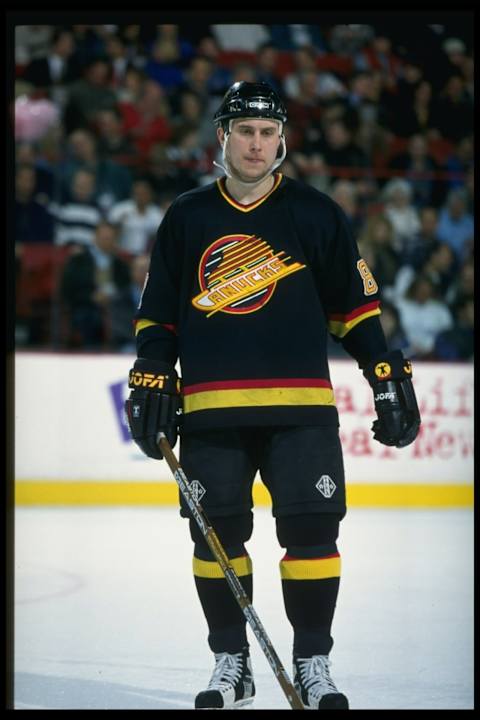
197,490
238,274
326,486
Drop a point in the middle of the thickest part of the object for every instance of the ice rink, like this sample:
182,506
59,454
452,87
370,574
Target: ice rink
106,614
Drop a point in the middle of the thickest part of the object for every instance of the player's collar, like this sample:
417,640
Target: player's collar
251,206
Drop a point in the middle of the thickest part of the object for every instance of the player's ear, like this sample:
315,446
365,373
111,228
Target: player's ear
220,135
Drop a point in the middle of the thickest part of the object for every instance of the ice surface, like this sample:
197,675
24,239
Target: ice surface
106,614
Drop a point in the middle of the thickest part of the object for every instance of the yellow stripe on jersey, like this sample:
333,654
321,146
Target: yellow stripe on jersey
142,324
311,569
252,397
340,329
211,569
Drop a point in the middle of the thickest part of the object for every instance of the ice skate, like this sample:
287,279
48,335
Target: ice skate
312,681
231,684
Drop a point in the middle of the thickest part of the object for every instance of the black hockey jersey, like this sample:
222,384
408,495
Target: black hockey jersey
245,295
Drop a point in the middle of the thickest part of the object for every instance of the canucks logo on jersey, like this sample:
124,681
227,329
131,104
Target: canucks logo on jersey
238,274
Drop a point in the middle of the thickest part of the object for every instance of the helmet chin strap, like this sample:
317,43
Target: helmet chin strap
226,164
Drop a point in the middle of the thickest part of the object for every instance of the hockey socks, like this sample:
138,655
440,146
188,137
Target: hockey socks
225,619
310,583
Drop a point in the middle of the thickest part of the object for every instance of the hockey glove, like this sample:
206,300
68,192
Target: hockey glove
390,378
154,404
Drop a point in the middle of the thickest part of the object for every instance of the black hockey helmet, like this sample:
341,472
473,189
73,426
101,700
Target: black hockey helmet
246,99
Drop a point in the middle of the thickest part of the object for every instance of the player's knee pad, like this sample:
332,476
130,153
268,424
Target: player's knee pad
231,530
308,530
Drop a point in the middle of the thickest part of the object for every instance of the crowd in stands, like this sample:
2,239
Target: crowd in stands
112,122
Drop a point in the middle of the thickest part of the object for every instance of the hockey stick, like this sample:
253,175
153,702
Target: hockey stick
231,577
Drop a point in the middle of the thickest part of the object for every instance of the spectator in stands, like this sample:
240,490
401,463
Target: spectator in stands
147,120
31,42
409,108
123,306
89,95
364,90
418,248
113,181
27,154
169,56
344,192
468,74
454,119
137,218
117,52
339,149
459,162
311,168
89,43
420,169
267,61
113,141
79,213
463,284
130,90
191,117
439,266
34,117
470,190
457,343
398,207
33,222
392,327
363,105
242,71
420,115
292,37
455,224
195,32
197,78
346,40
328,86
423,316
165,176
375,243
93,278
133,40
56,69
139,267
305,113
455,50
221,77
189,112
379,55
240,37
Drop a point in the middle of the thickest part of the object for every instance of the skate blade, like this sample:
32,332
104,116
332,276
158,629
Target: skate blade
240,705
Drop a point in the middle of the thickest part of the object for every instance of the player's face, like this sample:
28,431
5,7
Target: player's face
252,147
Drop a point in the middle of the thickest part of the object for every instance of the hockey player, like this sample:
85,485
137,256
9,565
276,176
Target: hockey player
247,277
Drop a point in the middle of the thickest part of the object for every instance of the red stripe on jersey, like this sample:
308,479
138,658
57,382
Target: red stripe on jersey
354,313
172,328
265,383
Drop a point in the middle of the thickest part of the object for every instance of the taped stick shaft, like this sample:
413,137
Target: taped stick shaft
231,577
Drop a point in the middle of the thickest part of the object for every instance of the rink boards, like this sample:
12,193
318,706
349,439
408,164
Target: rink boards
72,445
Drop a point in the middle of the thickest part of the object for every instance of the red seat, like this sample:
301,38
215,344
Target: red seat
229,58
40,264
336,63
